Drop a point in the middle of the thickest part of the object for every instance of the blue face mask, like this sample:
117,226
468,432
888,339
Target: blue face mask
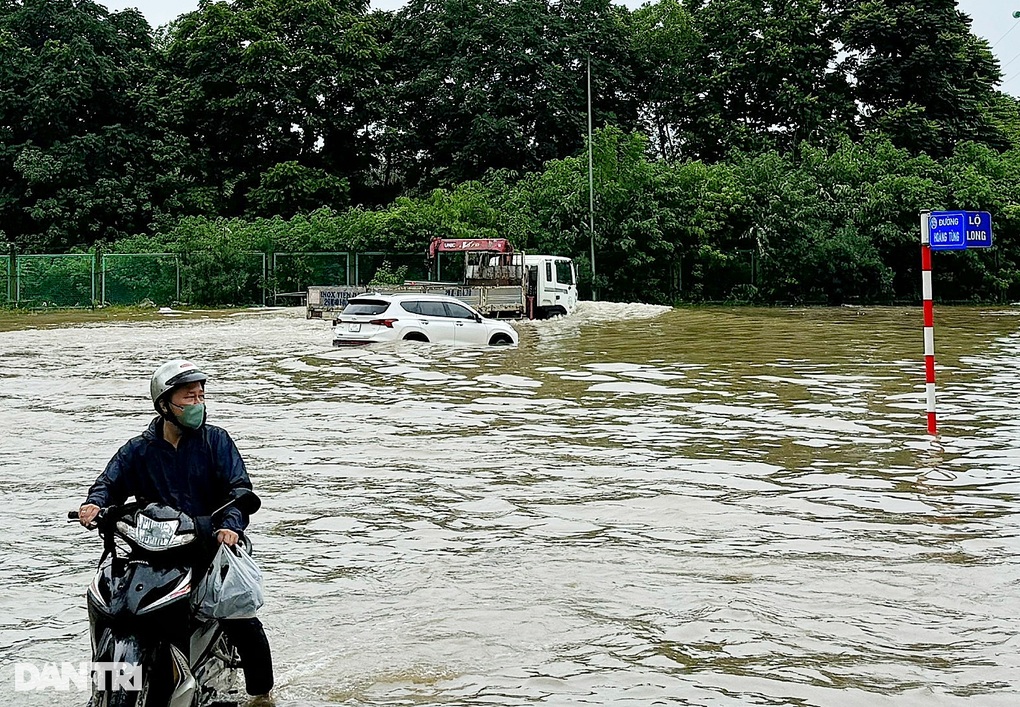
191,416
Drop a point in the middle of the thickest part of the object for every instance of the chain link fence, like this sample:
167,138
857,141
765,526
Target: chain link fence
247,278
293,273
388,268
8,275
717,277
224,278
55,280
195,277
133,278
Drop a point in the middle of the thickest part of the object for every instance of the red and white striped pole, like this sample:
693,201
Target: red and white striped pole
929,321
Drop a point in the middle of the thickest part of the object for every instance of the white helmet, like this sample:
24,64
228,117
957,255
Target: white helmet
170,375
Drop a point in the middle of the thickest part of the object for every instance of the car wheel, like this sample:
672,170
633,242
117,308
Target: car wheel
500,340
415,336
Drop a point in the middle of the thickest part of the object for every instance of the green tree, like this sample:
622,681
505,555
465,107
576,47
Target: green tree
921,76
288,188
1004,115
769,77
78,141
667,46
499,85
637,237
841,224
979,178
259,83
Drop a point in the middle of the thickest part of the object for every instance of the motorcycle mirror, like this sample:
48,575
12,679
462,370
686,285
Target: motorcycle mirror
245,500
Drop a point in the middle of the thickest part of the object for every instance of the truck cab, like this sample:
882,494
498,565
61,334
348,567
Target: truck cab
551,285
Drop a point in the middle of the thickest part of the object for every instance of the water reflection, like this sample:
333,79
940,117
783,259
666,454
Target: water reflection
635,506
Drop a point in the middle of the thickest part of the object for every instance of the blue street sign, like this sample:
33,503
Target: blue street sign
979,229
947,230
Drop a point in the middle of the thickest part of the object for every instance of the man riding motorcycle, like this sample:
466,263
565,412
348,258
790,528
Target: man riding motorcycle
181,461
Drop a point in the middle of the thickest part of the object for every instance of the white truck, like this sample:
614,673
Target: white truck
496,281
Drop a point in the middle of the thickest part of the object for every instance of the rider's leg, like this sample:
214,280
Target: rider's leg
252,645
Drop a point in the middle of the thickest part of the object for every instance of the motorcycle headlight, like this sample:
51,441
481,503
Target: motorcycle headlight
123,546
153,534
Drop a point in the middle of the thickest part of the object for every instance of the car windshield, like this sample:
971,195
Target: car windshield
366,306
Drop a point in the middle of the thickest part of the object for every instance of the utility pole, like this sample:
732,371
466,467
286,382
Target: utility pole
591,191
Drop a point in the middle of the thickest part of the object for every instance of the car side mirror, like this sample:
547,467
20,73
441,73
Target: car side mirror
478,318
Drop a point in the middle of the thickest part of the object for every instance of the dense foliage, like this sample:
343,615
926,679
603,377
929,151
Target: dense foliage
745,149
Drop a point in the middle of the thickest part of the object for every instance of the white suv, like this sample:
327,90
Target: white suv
369,318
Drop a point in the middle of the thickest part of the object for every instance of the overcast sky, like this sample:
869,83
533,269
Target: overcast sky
993,19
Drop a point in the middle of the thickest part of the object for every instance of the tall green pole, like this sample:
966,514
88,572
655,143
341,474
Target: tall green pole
11,265
591,191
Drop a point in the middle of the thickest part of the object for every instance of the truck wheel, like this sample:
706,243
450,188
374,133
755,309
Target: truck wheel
415,336
550,312
500,340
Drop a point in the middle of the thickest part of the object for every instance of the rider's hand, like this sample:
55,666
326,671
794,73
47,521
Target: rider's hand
87,513
227,537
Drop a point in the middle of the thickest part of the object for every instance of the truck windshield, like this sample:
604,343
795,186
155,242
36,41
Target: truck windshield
366,306
564,273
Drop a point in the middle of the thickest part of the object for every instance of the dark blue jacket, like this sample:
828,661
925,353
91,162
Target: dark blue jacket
195,478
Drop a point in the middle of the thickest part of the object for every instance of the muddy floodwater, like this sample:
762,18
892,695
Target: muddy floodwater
636,506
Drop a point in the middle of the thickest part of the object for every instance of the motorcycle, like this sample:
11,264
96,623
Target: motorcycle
141,614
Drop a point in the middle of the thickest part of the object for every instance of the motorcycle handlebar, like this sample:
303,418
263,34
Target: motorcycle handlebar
243,499
72,517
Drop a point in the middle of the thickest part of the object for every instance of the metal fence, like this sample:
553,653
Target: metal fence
197,277
132,278
716,277
388,268
224,278
252,278
8,277
53,280
293,272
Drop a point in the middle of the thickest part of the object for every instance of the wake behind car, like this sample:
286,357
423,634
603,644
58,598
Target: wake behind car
372,318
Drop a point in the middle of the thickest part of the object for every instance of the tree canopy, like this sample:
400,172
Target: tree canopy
745,149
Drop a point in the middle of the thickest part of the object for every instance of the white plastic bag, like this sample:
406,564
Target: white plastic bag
232,588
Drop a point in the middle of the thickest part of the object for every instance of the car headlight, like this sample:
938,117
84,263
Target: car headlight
153,534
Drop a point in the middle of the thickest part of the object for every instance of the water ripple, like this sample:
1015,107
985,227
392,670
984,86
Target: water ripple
635,506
